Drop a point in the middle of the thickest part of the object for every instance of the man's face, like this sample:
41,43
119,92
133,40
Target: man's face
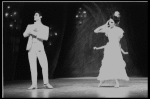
37,17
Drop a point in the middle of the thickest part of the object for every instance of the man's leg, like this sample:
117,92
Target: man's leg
33,68
44,64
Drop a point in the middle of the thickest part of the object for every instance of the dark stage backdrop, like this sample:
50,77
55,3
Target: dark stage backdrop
78,59
16,64
54,16
71,52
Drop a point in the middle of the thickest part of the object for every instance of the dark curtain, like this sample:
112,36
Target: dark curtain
78,59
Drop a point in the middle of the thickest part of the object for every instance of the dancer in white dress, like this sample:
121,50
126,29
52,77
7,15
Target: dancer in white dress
113,65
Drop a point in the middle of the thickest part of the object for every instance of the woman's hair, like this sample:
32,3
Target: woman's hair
116,17
40,14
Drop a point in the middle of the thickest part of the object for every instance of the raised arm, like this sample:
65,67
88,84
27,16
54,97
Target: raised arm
102,28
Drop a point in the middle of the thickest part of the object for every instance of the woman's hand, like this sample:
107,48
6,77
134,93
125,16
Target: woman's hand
94,48
125,53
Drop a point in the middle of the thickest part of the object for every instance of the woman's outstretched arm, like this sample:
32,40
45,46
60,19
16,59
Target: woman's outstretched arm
99,47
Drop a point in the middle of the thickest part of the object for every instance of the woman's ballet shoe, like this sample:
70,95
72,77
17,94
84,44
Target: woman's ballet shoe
99,84
116,86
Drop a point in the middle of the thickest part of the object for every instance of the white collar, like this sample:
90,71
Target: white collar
37,23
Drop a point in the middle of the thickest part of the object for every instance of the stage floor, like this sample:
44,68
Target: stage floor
77,87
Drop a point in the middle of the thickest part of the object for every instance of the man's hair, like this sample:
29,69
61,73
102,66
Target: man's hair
40,14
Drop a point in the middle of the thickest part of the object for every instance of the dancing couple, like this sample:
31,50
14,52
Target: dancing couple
113,65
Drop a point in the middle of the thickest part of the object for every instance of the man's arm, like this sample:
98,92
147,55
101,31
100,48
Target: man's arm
44,34
30,31
34,33
27,32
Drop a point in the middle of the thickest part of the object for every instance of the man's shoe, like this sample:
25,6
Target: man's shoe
48,86
32,87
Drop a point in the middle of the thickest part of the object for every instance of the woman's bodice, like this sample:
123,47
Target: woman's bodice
114,35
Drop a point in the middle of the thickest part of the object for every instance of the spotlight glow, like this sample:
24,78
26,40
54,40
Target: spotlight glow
55,33
15,13
77,16
8,7
11,25
85,15
6,14
80,22
84,11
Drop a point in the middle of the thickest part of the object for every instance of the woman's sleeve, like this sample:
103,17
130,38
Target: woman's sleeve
121,33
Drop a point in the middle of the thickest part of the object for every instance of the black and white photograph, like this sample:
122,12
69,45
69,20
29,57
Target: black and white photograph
74,49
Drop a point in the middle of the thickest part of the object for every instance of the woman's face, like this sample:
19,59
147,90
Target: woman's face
111,23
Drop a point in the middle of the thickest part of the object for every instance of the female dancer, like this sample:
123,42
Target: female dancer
113,65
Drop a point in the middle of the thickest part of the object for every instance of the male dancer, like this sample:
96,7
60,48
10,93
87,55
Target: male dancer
37,32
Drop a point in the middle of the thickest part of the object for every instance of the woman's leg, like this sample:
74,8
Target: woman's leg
117,83
101,82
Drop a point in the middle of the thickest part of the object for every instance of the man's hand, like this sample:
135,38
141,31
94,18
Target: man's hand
35,30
